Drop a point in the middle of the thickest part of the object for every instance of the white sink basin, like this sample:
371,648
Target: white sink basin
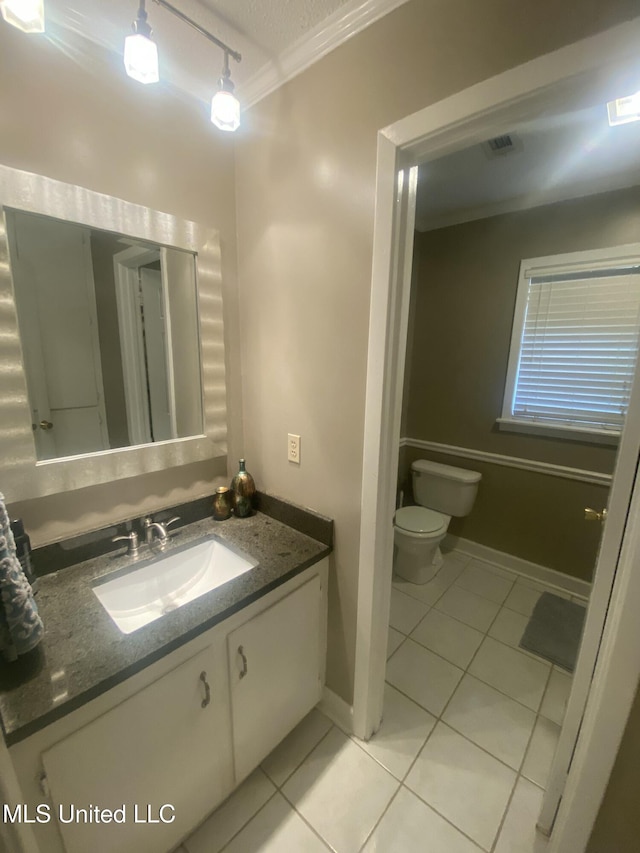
144,593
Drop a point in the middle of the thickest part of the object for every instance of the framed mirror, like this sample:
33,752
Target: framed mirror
111,339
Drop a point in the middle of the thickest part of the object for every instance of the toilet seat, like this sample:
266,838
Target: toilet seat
421,520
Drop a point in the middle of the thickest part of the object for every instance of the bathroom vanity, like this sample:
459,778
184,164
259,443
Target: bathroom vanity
160,725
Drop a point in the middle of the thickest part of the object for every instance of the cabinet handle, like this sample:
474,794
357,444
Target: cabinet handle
207,689
245,668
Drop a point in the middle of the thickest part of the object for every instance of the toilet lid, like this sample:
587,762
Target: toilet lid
419,519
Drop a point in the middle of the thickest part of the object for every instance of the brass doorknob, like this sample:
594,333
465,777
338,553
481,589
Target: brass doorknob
594,515
45,425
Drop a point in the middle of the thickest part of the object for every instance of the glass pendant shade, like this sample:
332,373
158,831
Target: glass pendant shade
225,110
26,15
141,58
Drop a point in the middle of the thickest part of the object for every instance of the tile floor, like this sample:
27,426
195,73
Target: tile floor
461,759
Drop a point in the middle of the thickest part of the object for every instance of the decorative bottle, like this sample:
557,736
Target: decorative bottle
244,489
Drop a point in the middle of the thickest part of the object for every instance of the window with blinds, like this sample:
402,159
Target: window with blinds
575,341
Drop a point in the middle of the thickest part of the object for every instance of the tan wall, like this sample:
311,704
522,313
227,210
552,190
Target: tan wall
305,170
81,120
532,516
617,827
465,293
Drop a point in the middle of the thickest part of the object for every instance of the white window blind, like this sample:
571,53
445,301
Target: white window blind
578,345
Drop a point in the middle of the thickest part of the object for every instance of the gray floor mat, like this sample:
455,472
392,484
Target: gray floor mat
554,630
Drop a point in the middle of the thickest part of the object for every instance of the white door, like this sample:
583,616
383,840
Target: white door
605,570
54,290
275,673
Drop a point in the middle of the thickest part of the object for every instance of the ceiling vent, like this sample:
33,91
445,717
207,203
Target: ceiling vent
508,143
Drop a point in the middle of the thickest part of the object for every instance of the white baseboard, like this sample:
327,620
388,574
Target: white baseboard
337,710
533,571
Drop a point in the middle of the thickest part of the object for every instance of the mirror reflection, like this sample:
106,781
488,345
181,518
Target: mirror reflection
109,333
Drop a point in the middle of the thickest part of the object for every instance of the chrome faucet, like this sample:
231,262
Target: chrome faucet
132,538
160,529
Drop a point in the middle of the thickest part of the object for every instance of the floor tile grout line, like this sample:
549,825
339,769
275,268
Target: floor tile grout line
445,818
524,578
460,621
519,776
379,820
302,760
467,668
439,719
465,672
481,595
304,820
279,788
247,822
356,742
517,771
504,815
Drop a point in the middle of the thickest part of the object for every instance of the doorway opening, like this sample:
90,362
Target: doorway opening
582,75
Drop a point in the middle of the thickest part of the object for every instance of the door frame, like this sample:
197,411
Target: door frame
605,64
126,268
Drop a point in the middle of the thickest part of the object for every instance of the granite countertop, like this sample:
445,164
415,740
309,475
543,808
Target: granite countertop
83,652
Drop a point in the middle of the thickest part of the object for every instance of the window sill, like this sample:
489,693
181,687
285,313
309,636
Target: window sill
569,433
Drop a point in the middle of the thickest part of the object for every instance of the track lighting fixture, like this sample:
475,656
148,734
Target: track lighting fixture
140,51
225,107
26,15
141,63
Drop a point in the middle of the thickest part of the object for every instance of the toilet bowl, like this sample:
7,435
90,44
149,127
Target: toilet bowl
440,491
417,535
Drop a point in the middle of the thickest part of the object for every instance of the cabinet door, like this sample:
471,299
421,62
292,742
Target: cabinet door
275,665
168,744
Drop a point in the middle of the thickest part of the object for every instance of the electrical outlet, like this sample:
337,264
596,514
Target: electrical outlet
293,454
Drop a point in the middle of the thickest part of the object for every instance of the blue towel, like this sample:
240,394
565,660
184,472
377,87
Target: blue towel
21,627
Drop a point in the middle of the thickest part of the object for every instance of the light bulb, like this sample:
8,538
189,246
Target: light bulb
624,110
26,15
225,110
141,58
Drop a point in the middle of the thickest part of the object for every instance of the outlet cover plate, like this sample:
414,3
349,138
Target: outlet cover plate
293,448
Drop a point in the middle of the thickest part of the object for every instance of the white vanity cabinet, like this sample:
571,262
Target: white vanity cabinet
275,673
171,736
162,755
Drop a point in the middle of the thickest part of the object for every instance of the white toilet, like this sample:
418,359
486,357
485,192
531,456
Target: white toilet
441,491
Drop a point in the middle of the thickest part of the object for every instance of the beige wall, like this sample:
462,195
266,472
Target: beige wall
81,120
465,293
305,169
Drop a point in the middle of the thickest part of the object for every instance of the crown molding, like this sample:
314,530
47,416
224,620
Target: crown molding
346,22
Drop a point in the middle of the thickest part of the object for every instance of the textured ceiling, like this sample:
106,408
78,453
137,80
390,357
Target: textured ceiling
557,157
274,24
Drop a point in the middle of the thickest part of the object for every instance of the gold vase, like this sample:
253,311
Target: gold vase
222,503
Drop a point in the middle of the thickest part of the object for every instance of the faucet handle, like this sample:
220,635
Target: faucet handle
132,539
173,520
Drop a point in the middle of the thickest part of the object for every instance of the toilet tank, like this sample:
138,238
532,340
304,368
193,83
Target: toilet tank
444,488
